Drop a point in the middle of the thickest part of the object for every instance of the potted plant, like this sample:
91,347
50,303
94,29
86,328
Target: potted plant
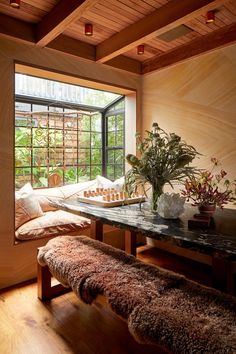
208,190
163,158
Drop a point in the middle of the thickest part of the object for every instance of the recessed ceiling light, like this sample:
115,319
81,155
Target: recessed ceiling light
15,3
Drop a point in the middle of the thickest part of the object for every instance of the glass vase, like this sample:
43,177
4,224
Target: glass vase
157,191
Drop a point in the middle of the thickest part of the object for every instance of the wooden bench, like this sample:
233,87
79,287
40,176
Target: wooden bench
161,307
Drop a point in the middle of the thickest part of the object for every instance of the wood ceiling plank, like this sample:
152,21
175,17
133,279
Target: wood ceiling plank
107,22
159,21
124,17
108,13
220,38
137,7
14,28
61,16
25,12
119,6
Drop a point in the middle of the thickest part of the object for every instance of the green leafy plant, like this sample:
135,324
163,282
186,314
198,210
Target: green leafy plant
208,188
164,158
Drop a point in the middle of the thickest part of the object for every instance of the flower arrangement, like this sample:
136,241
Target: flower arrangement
208,188
164,158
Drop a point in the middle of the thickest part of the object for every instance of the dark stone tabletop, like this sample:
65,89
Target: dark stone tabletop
219,239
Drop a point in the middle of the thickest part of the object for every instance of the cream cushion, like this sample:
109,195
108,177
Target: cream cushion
103,182
52,223
46,195
72,191
27,206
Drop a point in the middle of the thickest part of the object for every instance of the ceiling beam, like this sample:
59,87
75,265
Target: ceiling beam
170,15
61,16
73,46
126,63
84,50
217,39
16,29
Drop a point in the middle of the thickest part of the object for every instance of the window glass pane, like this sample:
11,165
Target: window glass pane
39,108
55,137
96,156
111,123
22,121
40,137
84,156
95,171
120,105
60,91
70,156
111,139
54,109
22,176
70,175
22,107
85,123
22,157
40,177
119,156
119,171
55,121
40,156
110,172
84,173
96,140
22,136
70,122
70,138
96,122
119,138
110,156
84,140
120,121
55,157
55,177
39,121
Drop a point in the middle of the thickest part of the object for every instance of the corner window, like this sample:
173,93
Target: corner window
58,143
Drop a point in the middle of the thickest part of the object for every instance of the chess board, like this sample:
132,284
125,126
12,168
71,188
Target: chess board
108,198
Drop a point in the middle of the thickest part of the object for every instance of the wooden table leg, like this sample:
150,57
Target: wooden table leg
223,274
96,230
130,242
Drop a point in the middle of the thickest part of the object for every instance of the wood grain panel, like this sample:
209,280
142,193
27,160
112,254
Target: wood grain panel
197,100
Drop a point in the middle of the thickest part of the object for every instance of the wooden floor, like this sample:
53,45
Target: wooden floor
66,325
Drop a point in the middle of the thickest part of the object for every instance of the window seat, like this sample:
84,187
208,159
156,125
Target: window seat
48,221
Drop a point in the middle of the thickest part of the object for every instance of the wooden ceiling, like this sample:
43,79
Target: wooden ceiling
171,30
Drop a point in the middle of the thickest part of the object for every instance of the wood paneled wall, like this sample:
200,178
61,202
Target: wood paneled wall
197,100
18,262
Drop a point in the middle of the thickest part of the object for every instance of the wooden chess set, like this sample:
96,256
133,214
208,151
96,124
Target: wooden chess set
109,197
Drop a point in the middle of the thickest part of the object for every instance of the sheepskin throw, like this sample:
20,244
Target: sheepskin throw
161,307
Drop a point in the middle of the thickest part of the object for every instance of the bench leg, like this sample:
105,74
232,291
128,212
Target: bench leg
45,289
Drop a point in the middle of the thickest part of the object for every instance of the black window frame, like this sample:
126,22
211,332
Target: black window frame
64,105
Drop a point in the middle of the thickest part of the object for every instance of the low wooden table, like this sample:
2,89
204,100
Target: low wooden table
218,241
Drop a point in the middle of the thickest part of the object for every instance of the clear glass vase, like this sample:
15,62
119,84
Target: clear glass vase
157,190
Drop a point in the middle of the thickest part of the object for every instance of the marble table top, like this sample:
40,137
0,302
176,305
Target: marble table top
219,239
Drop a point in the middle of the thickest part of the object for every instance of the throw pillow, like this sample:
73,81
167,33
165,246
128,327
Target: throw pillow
106,183
27,206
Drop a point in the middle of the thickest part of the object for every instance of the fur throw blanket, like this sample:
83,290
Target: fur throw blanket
161,307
